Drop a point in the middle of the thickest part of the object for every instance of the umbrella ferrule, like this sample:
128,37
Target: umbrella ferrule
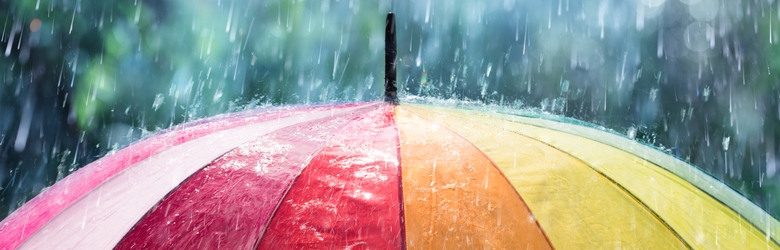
391,91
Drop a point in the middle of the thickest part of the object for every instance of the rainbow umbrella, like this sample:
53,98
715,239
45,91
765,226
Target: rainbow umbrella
387,176
375,175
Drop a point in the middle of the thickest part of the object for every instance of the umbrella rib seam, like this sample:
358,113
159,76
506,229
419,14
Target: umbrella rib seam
692,180
764,229
495,167
208,164
401,213
249,113
620,186
307,163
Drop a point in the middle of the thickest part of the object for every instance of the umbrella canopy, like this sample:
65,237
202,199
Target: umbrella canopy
374,175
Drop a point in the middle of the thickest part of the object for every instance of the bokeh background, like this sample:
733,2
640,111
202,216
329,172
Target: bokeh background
695,78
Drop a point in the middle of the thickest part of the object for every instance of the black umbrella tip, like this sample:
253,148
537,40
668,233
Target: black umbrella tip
391,91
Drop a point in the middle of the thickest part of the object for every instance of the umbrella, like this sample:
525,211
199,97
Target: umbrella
384,176
388,175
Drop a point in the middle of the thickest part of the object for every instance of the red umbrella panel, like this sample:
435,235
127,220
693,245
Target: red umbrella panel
375,175
139,176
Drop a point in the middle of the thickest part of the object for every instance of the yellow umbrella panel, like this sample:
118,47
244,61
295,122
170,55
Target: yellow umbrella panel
455,197
378,175
591,189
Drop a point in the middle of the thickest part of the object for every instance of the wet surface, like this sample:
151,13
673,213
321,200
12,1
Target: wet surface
228,203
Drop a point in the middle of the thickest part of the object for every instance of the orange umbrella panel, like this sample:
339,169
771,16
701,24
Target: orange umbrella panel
376,175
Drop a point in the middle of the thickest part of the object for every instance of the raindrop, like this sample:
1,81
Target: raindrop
640,17
137,16
10,43
72,18
771,163
659,52
631,133
653,94
230,16
24,126
427,11
602,15
158,100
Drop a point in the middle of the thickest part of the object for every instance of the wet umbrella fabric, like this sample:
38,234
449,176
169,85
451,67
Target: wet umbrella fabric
382,176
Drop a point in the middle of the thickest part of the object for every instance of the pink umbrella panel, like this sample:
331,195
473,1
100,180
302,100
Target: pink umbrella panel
376,175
